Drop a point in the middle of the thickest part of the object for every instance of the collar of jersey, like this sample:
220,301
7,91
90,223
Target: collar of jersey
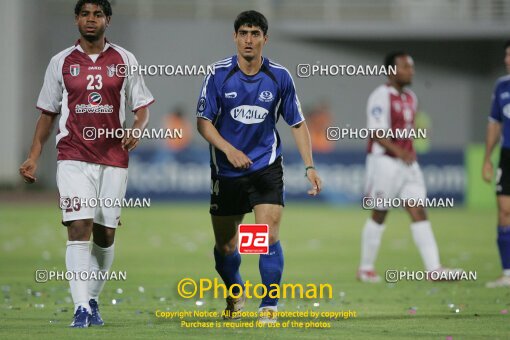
393,90
78,46
264,61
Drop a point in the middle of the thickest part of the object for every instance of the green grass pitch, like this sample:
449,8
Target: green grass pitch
159,246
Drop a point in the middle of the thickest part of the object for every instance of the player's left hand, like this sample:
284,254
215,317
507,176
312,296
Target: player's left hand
130,142
314,178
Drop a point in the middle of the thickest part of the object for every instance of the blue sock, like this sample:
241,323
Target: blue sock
271,269
228,268
504,245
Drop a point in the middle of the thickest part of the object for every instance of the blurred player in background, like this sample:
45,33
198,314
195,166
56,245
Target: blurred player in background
499,124
392,169
82,90
237,113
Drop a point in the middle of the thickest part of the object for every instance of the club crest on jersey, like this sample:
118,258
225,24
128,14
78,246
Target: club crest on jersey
110,70
74,70
249,114
95,99
266,96
230,95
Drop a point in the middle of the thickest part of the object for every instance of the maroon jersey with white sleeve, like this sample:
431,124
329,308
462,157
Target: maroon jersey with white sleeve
389,109
89,95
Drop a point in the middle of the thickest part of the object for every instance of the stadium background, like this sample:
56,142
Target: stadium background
457,46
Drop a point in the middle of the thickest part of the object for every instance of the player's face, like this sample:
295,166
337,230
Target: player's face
92,22
405,70
507,59
249,41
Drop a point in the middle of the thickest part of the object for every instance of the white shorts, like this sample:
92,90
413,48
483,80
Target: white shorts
388,178
92,183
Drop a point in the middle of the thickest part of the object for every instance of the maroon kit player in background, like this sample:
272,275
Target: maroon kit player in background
393,171
83,92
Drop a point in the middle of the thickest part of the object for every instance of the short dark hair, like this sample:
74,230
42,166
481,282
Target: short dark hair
391,58
507,44
105,5
251,19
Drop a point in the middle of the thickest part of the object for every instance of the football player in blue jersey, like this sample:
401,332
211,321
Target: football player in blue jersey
237,112
499,125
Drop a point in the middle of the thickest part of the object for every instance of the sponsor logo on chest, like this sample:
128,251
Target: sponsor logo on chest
249,114
95,99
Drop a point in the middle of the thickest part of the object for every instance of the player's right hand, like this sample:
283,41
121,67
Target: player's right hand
238,159
27,170
487,171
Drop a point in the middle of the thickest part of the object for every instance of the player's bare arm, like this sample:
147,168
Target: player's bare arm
405,155
43,130
304,145
140,123
236,157
493,135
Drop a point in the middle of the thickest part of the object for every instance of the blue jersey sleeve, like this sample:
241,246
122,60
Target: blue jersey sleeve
290,107
208,103
495,107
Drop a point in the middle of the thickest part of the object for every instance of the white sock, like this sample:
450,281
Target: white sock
101,259
506,272
426,243
77,261
370,242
